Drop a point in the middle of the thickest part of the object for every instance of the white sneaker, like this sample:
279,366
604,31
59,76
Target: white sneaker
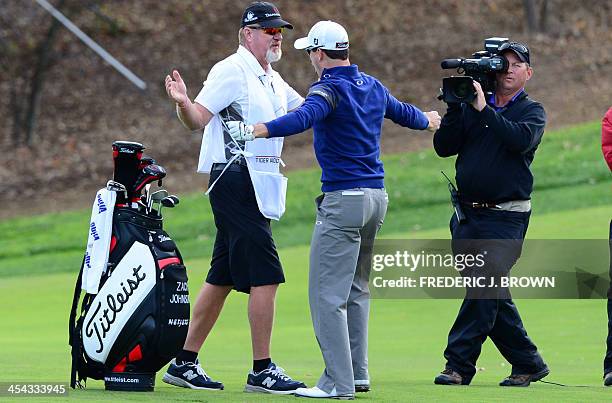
362,385
315,392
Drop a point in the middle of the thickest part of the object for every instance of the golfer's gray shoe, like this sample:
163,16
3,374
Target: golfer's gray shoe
524,380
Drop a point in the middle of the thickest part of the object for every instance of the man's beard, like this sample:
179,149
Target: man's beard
272,56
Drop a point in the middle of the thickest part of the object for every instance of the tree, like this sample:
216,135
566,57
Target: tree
28,46
28,41
536,20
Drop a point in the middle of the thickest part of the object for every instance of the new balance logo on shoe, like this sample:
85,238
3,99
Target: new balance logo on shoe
190,375
269,382
272,380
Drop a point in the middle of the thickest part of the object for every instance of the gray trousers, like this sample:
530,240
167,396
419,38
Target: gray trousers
340,263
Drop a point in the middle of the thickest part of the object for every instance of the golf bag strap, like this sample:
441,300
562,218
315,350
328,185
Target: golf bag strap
75,302
73,339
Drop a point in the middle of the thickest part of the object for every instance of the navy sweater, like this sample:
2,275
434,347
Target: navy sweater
494,148
346,109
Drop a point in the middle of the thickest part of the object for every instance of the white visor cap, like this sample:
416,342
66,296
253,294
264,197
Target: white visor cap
326,35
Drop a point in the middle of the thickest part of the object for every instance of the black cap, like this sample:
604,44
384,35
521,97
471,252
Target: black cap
521,50
263,14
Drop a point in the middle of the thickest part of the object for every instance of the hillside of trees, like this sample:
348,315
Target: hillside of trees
62,106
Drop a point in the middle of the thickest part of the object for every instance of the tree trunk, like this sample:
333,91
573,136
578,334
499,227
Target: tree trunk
14,105
544,16
38,78
530,14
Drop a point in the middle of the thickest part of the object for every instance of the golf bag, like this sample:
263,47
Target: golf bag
138,319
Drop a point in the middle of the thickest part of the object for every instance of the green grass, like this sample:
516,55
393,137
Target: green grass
586,223
40,256
569,173
407,338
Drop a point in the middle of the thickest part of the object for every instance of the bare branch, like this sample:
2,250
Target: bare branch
95,8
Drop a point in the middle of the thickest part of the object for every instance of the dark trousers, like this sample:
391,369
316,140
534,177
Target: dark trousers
495,317
608,359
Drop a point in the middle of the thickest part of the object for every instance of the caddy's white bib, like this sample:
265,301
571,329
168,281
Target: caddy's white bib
267,101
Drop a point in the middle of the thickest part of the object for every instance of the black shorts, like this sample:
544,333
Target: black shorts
244,254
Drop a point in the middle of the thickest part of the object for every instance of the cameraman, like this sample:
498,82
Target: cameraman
495,140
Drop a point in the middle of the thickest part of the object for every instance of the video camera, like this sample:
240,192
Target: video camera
482,67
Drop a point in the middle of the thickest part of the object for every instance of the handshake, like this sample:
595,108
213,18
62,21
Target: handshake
240,131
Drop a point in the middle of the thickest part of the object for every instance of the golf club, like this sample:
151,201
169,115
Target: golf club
150,173
115,186
142,204
144,161
147,195
156,196
170,202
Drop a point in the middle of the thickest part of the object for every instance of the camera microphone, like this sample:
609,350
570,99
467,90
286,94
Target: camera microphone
451,63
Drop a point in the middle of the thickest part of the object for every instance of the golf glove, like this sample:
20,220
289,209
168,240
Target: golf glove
240,131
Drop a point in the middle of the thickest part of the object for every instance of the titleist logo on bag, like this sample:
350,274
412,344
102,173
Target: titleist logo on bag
129,285
115,303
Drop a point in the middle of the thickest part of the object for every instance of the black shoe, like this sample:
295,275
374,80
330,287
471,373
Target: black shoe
190,375
272,380
523,380
608,379
362,386
450,377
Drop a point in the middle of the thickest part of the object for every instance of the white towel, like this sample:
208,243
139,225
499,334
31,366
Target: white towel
98,242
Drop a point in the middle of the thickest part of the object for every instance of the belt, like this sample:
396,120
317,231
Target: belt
514,205
234,167
481,205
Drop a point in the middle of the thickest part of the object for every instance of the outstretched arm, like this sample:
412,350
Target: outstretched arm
192,115
408,115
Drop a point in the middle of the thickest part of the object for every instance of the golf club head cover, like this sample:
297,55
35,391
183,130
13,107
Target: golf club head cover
149,173
127,160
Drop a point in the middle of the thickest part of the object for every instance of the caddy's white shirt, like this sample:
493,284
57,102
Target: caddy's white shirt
238,88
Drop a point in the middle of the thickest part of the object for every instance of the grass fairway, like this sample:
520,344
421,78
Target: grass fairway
407,338
40,256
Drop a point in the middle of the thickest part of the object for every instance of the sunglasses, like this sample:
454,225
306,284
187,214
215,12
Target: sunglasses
308,50
270,31
517,47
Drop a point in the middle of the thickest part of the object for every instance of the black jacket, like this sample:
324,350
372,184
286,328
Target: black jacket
495,149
